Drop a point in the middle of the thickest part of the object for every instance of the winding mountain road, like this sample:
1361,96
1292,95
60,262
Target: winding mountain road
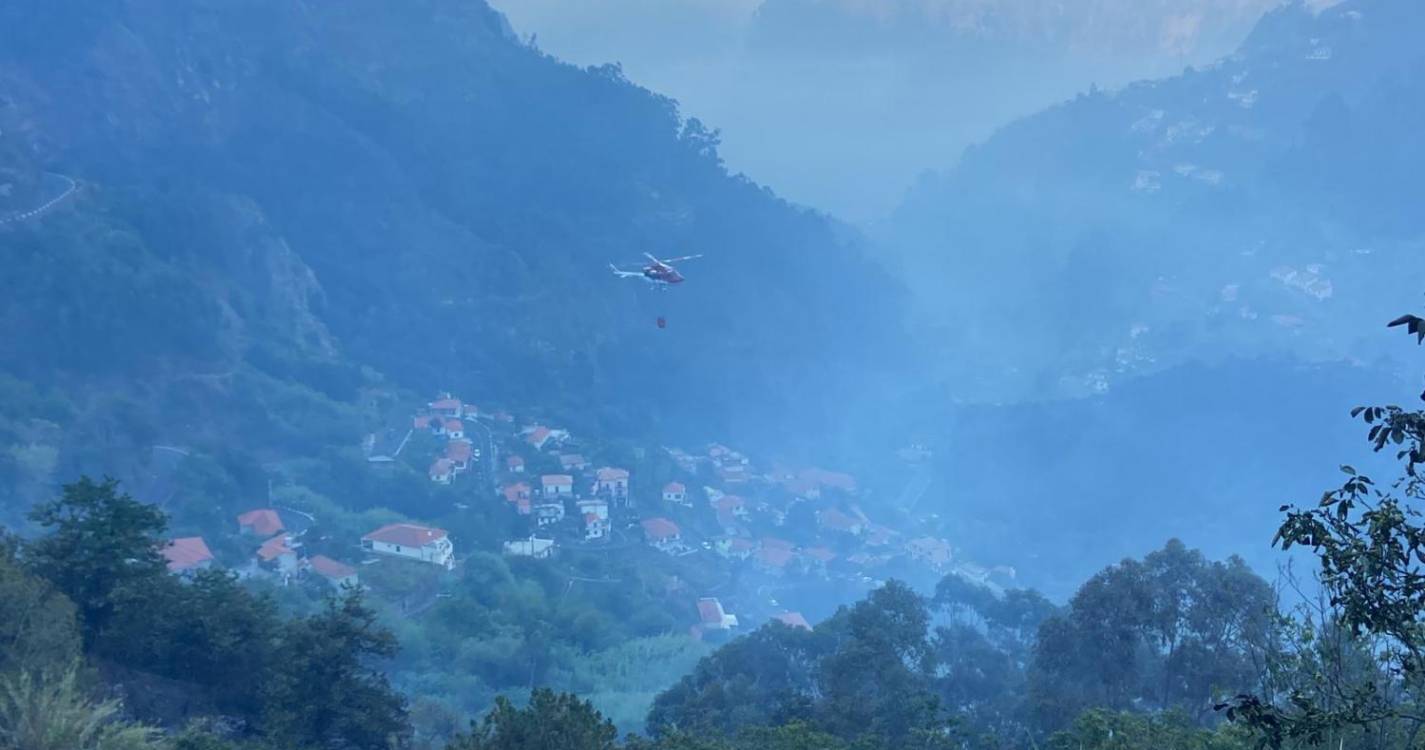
70,187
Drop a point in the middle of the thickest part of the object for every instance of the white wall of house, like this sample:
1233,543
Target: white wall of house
439,552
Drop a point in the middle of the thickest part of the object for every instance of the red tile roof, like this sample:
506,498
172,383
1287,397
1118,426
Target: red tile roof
557,480
572,459
794,620
331,568
263,521
454,425
273,548
405,534
459,451
775,543
441,467
537,436
186,553
515,492
660,528
675,488
777,557
446,404
420,423
729,503
710,612
820,554
514,461
608,474
836,520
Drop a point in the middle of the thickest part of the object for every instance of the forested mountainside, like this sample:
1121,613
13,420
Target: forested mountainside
1262,205
285,204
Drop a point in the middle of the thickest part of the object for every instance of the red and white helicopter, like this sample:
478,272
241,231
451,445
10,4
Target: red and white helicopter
658,272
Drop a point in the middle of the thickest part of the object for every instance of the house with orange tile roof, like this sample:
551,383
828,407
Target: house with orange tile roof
515,464
278,555
515,492
573,462
595,527
447,406
833,519
675,492
338,574
454,429
662,533
460,453
538,437
442,470
262,522
735,547
556,485
612,482
731,504
187,555
412,542
712,616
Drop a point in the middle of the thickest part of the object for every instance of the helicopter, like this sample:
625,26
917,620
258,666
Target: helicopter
658,272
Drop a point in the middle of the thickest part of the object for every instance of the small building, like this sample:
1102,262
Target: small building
454,429
534,547
935,553
731,504
187,555
338,574
595,527
549,512
515,492
557,485
277,555
573,462
413,542
263,522
447,407
793,620
712,616
538,437
775,555
612,482
425,422
675,492
839,521
515,464
459,453
736,547
594,505
662,533
442,471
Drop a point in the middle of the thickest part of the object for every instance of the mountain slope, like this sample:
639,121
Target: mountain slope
1260,206
381,194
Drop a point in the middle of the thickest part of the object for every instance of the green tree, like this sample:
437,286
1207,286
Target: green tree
1369,541
551,721
38,625
323,690
55,714
1106,730
102,547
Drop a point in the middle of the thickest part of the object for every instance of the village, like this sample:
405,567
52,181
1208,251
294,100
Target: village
739,539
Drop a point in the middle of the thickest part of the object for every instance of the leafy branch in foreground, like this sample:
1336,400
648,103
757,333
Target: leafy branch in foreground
1369,541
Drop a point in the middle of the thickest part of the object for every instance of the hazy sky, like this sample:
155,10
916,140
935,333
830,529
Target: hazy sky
840,104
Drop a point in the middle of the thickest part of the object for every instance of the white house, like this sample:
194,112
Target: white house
557,485
278,555
448,407
454,429
335,573
442,471
595,526
662,533
412,542
548,513
596,506
531,547
675,492
712,615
